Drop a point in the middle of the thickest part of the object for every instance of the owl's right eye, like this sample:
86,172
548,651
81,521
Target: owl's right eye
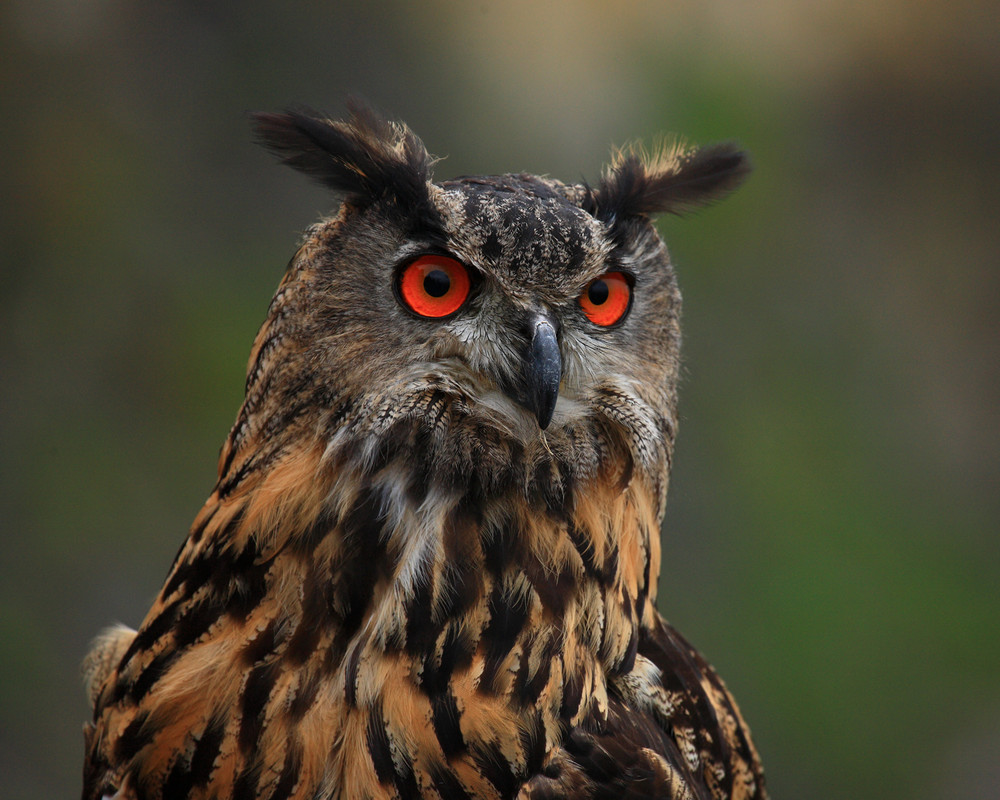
434,286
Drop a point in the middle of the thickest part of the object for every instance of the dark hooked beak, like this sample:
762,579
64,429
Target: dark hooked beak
543,368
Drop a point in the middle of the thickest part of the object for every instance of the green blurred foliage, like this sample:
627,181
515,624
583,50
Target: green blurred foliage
831,538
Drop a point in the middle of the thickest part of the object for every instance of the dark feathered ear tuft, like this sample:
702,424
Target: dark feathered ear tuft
677,181
365,157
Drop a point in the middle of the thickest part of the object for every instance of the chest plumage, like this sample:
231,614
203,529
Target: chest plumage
428,567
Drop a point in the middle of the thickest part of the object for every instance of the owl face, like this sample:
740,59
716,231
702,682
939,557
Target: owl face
481,322
520,342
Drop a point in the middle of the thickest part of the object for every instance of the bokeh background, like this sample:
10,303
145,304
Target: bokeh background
831,541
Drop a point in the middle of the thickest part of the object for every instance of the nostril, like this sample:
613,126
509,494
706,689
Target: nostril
533,322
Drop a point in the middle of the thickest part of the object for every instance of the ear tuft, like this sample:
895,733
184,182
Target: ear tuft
676,181
365,157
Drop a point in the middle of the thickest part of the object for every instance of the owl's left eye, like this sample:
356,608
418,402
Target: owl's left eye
434,286
607,298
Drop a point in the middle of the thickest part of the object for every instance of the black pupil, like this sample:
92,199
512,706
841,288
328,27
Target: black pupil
437,283
598,293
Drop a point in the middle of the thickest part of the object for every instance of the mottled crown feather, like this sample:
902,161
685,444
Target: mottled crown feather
365,157
676,181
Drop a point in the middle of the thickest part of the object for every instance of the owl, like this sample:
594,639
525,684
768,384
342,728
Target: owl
428,568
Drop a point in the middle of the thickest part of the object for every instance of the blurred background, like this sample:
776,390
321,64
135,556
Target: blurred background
831,541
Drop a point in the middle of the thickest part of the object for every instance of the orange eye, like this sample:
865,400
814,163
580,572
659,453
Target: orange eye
607,299
434,286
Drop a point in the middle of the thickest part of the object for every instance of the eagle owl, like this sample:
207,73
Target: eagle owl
428,568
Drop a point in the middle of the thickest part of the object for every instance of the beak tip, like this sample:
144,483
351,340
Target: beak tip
544,417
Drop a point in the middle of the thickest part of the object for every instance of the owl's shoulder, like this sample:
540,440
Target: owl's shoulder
701,715
671,730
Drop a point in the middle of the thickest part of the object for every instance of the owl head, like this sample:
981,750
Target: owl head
508,333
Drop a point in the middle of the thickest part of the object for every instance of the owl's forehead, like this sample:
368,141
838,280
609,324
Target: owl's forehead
522,228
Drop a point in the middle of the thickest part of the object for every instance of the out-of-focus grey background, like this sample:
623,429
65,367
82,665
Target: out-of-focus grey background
831,541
